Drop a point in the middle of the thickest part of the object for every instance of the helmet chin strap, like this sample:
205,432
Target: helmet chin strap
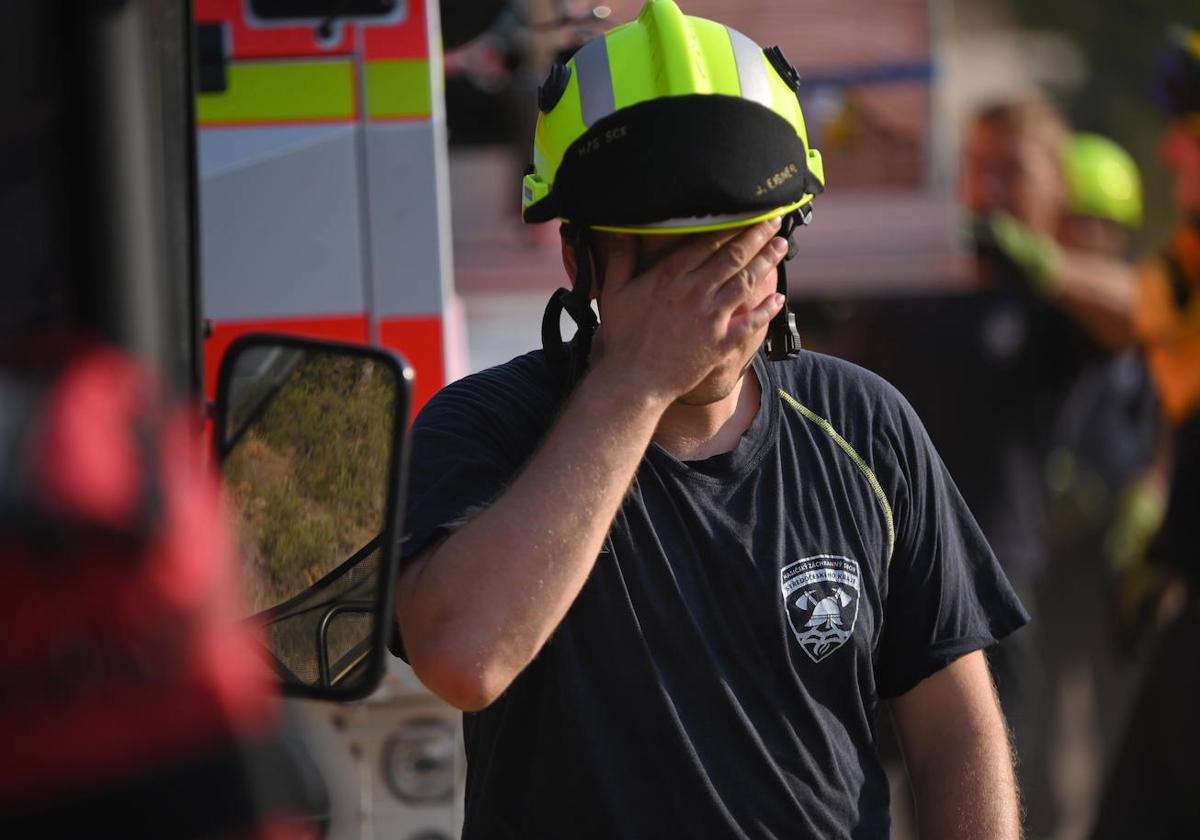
568,362
783,339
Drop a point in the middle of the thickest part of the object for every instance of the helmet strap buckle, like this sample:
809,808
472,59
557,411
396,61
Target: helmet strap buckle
783,339
569,363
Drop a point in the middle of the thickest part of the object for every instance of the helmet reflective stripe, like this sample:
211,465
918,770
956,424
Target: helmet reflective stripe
751,68
595,81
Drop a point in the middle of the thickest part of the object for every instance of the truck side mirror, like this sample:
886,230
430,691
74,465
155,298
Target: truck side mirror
310,439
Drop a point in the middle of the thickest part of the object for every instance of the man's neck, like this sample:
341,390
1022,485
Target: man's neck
694,432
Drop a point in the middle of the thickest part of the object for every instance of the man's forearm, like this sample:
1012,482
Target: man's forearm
967,791
957,753
1098,292
476,609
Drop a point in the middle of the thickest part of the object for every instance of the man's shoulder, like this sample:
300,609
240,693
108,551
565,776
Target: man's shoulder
526,373
862,408
837,385
517,388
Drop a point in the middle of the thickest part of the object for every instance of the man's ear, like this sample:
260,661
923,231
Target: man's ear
569,259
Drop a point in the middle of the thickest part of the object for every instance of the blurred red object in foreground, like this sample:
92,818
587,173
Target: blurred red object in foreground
127,668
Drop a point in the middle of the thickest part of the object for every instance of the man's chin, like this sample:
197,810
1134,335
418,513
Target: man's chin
702,395
715,388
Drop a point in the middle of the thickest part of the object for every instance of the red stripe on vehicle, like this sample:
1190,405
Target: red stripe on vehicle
419,339
406,39
352,328
267,42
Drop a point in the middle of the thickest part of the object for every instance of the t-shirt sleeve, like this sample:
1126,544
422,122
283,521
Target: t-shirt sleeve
454,471
467,444
947,595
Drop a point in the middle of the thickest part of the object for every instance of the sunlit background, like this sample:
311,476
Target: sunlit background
888,87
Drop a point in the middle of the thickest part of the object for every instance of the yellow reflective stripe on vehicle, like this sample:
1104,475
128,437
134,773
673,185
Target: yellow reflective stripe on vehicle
398,88
845,446
282,91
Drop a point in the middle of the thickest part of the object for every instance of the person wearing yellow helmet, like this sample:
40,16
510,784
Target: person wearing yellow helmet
669,574
1108,429
1098,469
1151,789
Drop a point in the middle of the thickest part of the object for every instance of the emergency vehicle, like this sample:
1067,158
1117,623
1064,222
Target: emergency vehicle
324,212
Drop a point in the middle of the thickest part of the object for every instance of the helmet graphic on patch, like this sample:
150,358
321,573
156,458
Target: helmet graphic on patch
820,595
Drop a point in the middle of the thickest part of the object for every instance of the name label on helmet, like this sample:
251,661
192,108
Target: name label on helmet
778,179
609,136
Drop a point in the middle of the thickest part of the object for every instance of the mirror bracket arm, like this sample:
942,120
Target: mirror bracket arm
323,634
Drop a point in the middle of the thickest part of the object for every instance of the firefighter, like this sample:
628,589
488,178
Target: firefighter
669,577
1152,790
1109,429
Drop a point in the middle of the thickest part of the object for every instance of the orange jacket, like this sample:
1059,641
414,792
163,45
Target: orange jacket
1167,321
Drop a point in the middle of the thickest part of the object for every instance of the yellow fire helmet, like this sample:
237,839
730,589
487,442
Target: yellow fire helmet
1103,180
670,124
667,124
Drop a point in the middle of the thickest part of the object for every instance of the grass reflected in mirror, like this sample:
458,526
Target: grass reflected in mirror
307,475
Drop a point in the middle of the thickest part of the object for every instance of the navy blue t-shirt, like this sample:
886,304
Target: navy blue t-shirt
720,672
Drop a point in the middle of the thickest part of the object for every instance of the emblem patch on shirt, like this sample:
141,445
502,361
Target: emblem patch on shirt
820,594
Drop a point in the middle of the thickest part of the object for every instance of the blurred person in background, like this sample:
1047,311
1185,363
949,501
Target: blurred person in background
987,371
1154,789
670,577
1045,313
1099,475
1015,186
